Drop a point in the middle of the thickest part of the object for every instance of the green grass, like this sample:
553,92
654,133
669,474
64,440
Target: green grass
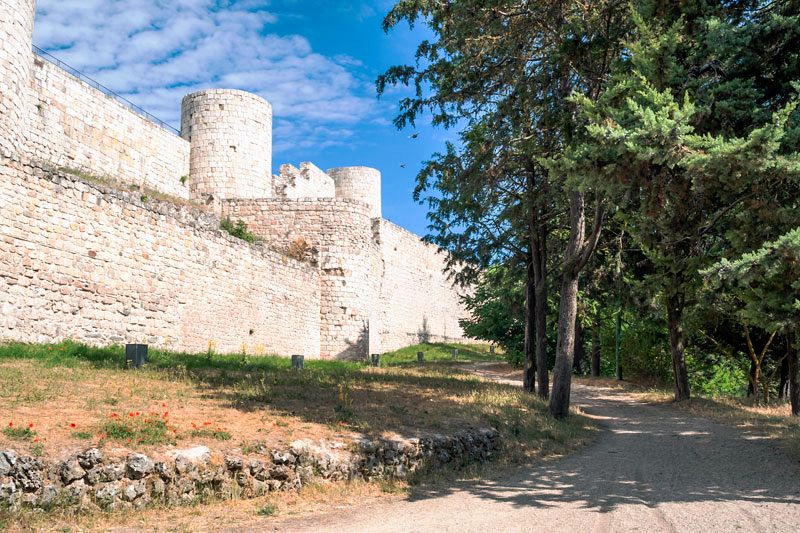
138,429
439,353
19,433
207,433
403,397
269,509
73,355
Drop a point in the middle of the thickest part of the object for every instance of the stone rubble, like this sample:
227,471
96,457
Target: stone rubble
91,479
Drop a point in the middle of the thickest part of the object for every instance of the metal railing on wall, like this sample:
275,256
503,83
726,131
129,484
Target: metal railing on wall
103,89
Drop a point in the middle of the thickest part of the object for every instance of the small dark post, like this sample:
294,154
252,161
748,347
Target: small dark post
420,357
376,359
455,353
298,362
491,349
135,355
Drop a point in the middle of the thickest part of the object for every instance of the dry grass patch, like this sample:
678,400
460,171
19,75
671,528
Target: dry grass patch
74,396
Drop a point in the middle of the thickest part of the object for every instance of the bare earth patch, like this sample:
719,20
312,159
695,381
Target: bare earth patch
71,398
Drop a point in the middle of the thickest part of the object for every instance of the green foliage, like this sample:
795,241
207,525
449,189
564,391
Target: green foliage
19,433
138,429
497,313
238,229
715,375
269,509
135,428
763,285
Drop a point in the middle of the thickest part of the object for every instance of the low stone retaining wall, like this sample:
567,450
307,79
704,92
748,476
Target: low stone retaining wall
91,479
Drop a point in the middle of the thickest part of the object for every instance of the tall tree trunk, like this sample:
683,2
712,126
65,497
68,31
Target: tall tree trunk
529,376
565,347
676,343
579,360
578,251
539,247
596,346
794,378
783,386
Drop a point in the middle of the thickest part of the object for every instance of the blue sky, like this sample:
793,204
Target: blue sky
316,61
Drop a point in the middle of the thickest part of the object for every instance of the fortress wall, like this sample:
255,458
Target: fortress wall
338,233
16,29
417,301
83,261
73,125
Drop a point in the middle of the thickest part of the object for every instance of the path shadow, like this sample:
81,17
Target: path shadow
646,455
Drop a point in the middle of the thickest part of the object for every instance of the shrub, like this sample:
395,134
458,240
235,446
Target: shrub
237,229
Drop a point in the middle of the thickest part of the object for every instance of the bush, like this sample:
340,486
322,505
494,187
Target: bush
237,229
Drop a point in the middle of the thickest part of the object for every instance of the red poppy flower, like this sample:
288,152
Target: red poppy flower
30,426
11,424
72,425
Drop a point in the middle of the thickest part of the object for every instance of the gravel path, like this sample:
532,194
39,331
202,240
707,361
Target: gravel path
652,469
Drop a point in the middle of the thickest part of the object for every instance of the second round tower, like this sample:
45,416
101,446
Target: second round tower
230,133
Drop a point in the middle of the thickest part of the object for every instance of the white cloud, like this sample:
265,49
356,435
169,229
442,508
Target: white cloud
156,51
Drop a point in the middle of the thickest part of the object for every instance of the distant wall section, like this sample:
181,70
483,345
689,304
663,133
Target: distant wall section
75,126
417,302
82,261
338,235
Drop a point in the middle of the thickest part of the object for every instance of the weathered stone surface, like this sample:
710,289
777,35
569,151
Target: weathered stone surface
113,471
28,474
8,459
139,480
71,470
90,458
108,494
131,491
139,465
234,464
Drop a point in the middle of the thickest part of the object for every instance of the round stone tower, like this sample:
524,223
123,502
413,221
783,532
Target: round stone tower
359,183
230,133
16,61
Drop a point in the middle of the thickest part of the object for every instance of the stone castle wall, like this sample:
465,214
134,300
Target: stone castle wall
103,265
417,302
16,27
81,261
73,125
337,235
382,288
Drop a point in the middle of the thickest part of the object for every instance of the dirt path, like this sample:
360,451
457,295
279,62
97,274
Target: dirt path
652,469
